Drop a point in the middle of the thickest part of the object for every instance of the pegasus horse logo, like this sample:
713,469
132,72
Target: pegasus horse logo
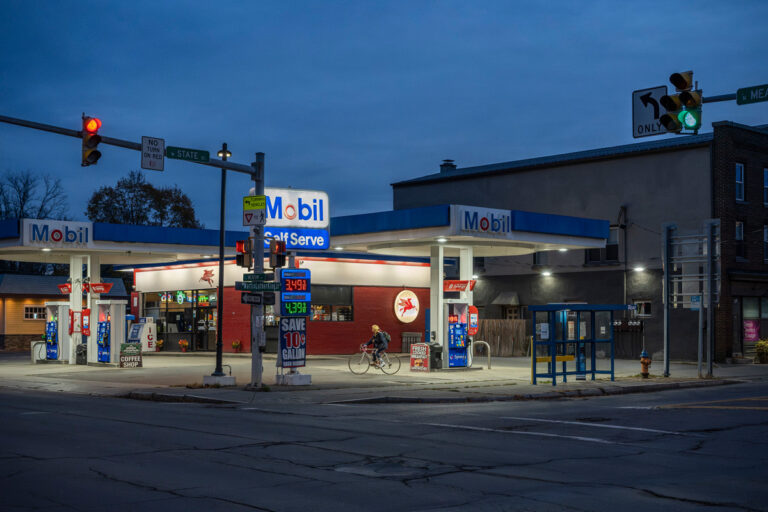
207,277
406,305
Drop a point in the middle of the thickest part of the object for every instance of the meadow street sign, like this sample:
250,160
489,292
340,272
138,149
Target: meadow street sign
754,94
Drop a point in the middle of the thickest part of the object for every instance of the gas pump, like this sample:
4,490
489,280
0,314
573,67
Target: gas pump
110,331
457,318
57,338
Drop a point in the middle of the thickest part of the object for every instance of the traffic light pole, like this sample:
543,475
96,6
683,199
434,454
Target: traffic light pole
258,341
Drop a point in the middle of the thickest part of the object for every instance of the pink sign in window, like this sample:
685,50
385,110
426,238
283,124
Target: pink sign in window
751,330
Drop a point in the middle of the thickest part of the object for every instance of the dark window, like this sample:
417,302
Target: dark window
739,239
739,182
331,303
609,254
765,186
34,312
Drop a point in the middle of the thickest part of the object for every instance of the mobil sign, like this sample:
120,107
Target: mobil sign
486,221
300,218
288,207
56,233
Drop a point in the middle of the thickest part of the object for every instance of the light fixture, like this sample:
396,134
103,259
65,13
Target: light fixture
46,249
563,249
338,248
639,269
546,273
441,240
474,276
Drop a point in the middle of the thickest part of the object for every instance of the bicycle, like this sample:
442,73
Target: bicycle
360,363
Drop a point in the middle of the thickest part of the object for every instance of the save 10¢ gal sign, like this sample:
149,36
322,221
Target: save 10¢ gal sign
293,342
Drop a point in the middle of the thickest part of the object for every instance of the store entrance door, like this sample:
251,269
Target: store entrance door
205,328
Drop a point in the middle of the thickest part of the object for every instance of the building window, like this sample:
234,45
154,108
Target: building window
34,312
610,254
765,186
739,239
331,304
765,243
643,308
539,258
739,182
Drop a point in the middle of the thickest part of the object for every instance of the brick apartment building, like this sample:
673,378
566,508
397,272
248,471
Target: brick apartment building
637,187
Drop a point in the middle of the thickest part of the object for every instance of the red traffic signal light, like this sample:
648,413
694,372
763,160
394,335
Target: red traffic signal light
277,253
91,139
244,257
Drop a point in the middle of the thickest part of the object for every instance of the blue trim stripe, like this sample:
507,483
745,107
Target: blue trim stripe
9,228
395,220
163,235
559,224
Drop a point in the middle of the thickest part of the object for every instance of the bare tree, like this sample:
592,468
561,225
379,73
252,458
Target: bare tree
26,195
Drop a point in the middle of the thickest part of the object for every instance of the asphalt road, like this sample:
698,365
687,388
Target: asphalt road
697,449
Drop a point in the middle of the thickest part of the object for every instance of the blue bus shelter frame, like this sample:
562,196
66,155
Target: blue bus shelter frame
558,313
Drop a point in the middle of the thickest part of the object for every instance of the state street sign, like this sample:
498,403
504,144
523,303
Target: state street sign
646,111
152,153
193,155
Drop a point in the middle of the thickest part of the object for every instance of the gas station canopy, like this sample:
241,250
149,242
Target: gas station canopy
489,232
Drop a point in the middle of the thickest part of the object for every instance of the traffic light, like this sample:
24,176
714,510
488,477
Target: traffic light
684,108
277,253
91,139
244,251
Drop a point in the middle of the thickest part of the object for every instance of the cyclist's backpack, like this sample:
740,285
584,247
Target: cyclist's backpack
387,336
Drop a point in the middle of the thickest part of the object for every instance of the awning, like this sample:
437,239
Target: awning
506,299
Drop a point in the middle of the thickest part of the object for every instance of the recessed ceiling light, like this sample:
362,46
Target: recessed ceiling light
338,248
474,276
563,249
46,249
546,273
441,240
639,269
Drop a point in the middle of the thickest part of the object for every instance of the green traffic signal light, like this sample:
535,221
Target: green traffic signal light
690,119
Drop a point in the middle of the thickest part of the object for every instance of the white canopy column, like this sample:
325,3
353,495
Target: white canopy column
93,276
436,269
75,301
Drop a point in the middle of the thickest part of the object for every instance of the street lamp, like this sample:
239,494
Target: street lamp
223,153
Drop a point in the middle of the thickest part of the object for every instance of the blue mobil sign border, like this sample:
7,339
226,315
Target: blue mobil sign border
298,238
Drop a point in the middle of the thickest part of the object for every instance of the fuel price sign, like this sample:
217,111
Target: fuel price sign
295,298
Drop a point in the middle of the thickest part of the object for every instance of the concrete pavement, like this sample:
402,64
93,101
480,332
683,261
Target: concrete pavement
180,376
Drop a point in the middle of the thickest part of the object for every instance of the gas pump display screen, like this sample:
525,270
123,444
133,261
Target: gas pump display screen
295,297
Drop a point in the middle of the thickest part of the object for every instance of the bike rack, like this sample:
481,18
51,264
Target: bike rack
487,347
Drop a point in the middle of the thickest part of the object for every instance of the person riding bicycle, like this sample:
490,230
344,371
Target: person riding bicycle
379,342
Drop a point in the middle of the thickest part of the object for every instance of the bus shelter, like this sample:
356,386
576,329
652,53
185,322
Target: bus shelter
571,335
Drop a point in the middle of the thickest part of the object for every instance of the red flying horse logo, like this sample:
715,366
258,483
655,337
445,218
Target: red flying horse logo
207,277
406,305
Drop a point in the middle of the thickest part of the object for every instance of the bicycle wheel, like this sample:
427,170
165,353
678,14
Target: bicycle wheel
391,364
359,363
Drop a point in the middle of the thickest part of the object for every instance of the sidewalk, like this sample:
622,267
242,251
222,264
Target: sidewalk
178,377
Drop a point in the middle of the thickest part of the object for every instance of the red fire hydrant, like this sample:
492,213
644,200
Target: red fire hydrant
645,362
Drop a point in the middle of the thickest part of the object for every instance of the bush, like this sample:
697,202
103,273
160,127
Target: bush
761,348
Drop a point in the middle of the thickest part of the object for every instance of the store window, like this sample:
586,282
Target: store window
739,182
643,308
332,303
765,187
34,312
765,243
751,319
609,254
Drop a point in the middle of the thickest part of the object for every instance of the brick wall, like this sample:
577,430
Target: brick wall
734,144
18,342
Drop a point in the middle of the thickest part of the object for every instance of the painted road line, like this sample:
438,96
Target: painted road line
598,425
521,433
718,404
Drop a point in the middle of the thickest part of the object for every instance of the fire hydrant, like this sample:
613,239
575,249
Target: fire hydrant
645,362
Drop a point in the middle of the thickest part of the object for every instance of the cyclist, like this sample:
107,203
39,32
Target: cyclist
379,342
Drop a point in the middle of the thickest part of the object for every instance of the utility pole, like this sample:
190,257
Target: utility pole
258,341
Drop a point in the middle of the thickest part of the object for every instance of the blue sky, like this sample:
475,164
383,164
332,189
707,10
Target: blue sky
348,97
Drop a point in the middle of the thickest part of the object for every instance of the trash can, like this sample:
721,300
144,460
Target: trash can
435,356
81,354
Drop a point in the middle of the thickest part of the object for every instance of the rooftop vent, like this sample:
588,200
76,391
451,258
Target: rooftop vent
447,165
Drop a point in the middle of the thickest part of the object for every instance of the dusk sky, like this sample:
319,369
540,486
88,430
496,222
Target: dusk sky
348,97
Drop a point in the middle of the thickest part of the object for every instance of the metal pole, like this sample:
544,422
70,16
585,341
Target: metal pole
667,230
219,372
701,331
711,227
258,342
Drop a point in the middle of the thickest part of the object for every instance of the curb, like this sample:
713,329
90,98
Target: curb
552,395
168,397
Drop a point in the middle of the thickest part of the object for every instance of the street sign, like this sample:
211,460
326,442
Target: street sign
193,155
646,112
254,217
251,298
754,94
254,203
152,153
259,277
257,286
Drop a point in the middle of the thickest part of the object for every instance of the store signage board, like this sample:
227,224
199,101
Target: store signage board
296,286
192,155
293,342
419,357
130,355
257,286
288,207
259,277
152,153
458,286
298,238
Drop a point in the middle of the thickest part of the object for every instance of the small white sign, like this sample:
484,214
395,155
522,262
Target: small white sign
646,111
254,217
152,153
